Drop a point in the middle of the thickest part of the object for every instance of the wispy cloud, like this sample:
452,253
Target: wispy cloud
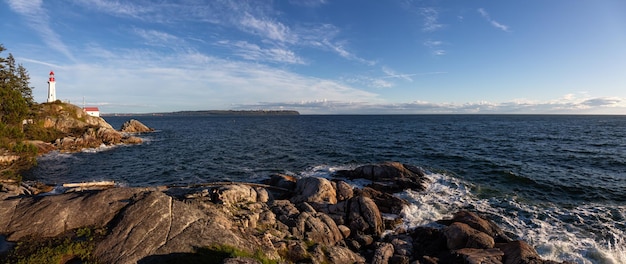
253,52
493,22
431,17
158,38
389,73
368,81
38,19
254,18
267,28
117,8
435,47
309,3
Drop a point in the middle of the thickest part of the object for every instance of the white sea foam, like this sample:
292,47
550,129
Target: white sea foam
587,234
101,148
326,171
583,234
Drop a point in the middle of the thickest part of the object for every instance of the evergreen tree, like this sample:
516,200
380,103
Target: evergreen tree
16,96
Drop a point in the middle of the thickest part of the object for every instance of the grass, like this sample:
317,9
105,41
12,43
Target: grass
221,252
76,245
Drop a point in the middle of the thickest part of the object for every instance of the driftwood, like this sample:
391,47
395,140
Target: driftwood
89,184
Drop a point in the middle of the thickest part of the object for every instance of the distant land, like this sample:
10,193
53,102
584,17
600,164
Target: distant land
216,113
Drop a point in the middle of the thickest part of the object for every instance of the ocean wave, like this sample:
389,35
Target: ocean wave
588,233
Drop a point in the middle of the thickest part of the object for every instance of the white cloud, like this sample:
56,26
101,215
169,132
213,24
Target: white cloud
435,47
38,19
431,17
494,23
309,3
389,73
267,28
254,52
117,8
368,81
158,38
183,81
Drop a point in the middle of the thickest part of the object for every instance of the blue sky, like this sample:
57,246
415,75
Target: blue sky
325,57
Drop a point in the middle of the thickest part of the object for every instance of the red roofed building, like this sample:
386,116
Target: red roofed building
92,110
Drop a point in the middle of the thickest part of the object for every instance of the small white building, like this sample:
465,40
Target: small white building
92,111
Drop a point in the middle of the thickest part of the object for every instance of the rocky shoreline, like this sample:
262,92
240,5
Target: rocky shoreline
281,220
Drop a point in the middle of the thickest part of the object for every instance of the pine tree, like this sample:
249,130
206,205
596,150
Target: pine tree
16,96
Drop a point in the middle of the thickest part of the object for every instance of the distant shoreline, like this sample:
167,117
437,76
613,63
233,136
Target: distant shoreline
216,113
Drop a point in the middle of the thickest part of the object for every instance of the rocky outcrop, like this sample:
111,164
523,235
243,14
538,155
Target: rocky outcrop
134,126
322,222
79,130
389,177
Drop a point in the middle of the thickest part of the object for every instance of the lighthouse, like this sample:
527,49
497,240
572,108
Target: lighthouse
52,93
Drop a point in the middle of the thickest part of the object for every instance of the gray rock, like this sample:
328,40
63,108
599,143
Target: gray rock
364,217
480,256
134,126
402,244
480,224
383,253
282,181
157,224
519,252
344,191
339,254
317,227
49,216
460,235
238,193
389,176
314,190
386,202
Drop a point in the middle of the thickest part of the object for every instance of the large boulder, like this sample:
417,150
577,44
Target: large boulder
339,254
318,228
134,126
383,253
460,235
49,216
387,203
479,223
519,252
314,190
156,224
480,256
364,217
389,177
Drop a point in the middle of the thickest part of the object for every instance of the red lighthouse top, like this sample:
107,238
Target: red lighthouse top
51,76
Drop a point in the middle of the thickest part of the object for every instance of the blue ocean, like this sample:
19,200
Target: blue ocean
558,182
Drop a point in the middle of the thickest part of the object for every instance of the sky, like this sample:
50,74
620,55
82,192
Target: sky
323,56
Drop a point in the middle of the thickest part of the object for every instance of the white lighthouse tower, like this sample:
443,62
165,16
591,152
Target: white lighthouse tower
52,93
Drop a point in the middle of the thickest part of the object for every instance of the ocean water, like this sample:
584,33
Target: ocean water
557,182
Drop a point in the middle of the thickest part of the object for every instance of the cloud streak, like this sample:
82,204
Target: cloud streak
493,22
38,19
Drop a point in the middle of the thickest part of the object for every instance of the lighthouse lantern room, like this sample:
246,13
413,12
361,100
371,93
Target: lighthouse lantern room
52,94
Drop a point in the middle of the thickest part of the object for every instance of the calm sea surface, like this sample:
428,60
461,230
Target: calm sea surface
558,182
